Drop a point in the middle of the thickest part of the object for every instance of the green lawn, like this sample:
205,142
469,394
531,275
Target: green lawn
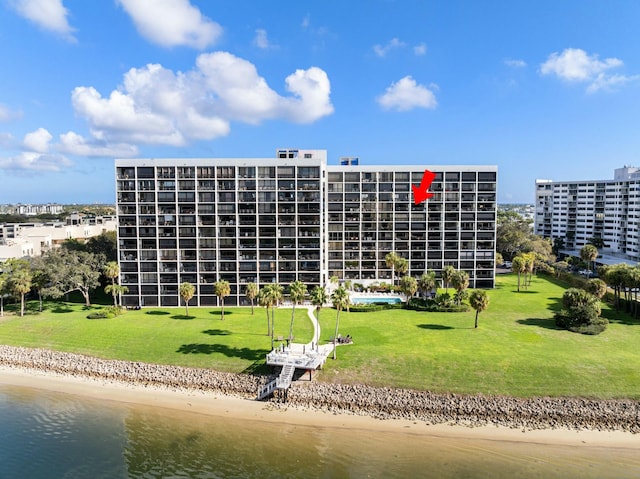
515,351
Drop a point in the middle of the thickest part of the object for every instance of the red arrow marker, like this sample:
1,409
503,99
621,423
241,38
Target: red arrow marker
421,193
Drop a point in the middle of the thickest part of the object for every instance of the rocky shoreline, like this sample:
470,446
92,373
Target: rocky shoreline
381,403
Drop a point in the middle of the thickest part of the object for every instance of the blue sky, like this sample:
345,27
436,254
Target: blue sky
543,89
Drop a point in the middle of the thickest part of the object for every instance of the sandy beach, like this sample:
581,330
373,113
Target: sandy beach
215,404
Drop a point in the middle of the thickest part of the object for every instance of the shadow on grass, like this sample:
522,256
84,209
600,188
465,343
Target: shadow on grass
158,313
61,309
217,332
525,291
182,317
620,317
242,353
436,327
259,367
219,313
541,323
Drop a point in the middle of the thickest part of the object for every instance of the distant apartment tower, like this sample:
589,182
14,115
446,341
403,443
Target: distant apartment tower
290,218
579,212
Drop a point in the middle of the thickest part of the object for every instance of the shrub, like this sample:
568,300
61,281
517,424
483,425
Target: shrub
106,313
580,313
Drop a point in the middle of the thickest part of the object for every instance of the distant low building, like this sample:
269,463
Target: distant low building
18,240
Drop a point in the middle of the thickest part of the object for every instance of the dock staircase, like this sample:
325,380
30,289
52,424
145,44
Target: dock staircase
283,381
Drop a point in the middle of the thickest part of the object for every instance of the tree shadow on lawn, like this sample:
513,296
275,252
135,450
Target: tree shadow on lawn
61,309
182,317
217,332
437,327
219,313
158,313
525,291
620,317
231,352
541,323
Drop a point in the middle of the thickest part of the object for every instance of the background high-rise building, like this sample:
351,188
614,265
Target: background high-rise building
290,218
600,212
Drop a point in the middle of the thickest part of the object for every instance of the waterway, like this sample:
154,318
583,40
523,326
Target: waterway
53,435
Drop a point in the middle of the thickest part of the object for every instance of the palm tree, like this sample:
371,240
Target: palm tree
116,290
251,293
391,259
318,298
460,282
519,266
297,292
18,279
3,282
479,300
341,300
112,271
447,273
427,282
408,286
274,293
265,300
222,290
589,253
402,265
187,290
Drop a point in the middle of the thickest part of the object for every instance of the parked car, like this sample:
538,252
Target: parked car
507,264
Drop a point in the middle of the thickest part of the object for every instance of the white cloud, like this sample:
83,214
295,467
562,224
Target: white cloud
30,160
51,15
382,50
74,144
158,106
36,155
573,64
420,50
306,21
261,39
515,63
576,66
172,23
406,95
37,141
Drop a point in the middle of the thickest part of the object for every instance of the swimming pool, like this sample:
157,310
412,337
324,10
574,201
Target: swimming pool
376,299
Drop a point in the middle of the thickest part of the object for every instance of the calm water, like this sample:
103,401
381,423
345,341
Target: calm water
52,435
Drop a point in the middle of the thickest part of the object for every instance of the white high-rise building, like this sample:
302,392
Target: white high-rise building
601,212
290,218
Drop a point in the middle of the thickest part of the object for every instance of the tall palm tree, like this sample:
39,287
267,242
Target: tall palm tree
519,266
3,282
427,282
479,300
408,286
460,282
251,293
112,271
297,292
391,259
447,273
319,298
589,253
402,265
341,300
186,290
18,279
274,293
265,300
222,290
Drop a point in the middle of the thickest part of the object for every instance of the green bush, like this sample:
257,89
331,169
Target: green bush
106,313
377,306
436,306
580,313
